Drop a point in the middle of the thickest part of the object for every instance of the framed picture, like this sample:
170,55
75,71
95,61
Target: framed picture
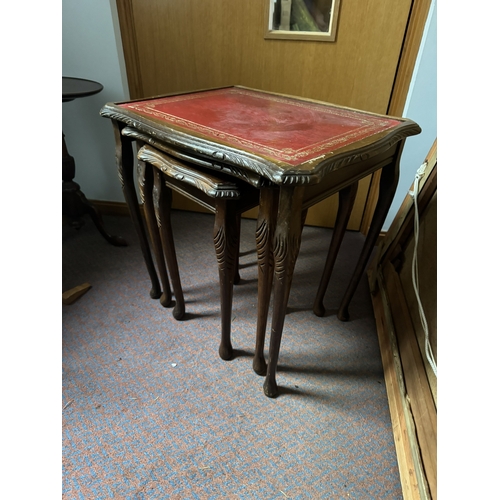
302,20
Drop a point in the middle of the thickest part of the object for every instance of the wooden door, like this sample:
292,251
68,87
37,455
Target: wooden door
182,45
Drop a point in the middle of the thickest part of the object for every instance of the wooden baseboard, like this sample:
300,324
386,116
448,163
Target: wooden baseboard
111,207
121,209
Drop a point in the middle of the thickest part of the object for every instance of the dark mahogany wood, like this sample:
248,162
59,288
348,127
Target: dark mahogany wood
125,162
226,198
285,249
162,200
147,184
347,197
307,150
226,249
264,237
387,189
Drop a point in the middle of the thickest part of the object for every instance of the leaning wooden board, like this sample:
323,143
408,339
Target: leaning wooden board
412,402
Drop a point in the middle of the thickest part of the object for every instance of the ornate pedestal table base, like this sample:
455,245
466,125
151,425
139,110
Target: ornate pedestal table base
74,203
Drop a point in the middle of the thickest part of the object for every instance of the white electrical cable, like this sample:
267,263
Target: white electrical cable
414,194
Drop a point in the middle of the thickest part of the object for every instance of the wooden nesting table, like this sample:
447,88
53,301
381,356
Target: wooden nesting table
297,151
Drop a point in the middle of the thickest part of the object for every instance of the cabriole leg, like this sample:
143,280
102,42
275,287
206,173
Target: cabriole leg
226,249
264,237
286,249
388,184
346,203
125,165
162,197
145,179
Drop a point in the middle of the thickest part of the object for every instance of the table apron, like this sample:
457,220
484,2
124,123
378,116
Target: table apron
342,178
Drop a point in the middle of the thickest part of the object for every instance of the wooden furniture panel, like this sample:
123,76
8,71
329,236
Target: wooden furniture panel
184,45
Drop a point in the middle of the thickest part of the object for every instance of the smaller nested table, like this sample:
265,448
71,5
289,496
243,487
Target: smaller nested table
74,202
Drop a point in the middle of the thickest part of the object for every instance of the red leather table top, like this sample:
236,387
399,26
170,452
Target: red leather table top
280,128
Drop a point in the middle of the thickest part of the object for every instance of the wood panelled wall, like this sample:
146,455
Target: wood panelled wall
180,45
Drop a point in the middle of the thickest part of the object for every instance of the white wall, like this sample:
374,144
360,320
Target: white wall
91,48
421,107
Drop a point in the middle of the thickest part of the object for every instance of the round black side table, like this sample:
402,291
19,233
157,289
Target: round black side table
74,202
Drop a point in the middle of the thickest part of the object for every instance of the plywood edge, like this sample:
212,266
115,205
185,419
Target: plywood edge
420,399
71,296
411,471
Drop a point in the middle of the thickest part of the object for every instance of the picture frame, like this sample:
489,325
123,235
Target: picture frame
314,20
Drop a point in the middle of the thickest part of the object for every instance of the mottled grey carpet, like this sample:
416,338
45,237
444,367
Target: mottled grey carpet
150,411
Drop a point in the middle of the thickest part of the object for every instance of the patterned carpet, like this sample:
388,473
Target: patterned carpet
150,411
